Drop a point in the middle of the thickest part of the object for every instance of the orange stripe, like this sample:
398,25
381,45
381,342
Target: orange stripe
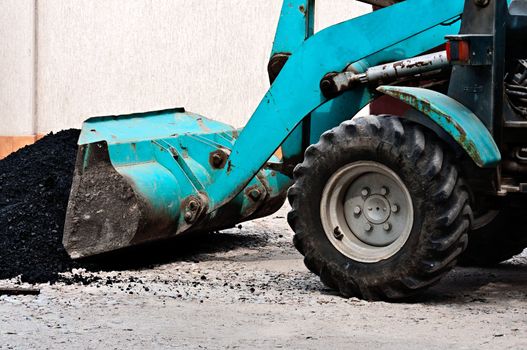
278,153
9,144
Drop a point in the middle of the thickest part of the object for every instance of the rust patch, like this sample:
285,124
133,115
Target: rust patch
218,158
254,192
192,208
425,107
202,125
174,153
417,64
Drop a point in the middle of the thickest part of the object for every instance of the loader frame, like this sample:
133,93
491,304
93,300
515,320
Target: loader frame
295,94
188,173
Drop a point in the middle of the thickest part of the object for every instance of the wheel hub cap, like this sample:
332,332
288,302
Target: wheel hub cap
377,209
370,207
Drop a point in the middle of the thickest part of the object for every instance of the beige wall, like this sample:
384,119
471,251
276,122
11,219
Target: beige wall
16,67
100,57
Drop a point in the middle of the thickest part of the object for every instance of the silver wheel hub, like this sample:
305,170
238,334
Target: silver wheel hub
377,209
370,208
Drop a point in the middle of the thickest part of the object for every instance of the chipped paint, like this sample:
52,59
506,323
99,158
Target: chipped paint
457,120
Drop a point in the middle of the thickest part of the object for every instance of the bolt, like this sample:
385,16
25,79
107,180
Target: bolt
384,191
387,226
188,216
325,85
365,191
255,194
193,205
368,228
395,208
338,235
481,3
217,160
357,210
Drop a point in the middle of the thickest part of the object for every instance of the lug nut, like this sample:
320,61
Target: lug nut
357,210
387,226
338,235
384,191
368,228
365,191
395,208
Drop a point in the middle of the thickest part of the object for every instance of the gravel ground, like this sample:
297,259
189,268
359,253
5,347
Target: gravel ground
248,288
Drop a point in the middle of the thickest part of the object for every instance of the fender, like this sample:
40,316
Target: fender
454,118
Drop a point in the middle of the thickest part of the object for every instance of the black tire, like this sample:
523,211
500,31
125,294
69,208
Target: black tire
442,211
501,239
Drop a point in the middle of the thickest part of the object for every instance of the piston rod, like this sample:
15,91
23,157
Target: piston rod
334,84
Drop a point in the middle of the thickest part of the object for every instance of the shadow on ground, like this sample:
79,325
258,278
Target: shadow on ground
193,247
464,284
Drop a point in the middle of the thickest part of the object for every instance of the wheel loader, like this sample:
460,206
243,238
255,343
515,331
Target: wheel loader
384,205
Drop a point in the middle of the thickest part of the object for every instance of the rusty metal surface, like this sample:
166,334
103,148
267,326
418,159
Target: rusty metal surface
457,120
334,84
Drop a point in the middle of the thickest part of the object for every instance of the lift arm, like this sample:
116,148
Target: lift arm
296,92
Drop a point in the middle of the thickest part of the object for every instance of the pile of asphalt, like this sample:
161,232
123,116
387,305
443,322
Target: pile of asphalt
34,189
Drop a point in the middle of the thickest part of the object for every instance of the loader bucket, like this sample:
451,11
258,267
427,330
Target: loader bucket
140,178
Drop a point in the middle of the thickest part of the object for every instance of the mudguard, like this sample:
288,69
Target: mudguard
454,118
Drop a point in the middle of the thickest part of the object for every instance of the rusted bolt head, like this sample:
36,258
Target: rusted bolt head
217,160
326,85
193,205
481,3
188,216
255,194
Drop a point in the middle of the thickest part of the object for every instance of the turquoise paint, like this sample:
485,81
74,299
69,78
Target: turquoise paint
296,93
345,106
164,155
148,126
296,24
453,117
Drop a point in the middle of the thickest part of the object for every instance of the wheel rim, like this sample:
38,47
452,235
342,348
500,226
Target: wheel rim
366,211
